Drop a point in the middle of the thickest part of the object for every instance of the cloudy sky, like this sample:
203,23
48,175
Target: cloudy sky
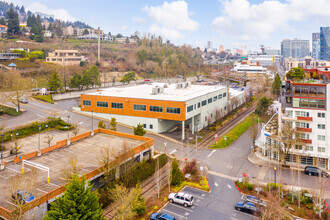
228,22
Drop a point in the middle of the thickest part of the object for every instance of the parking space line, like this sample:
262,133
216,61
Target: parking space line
54,184
196,196
47,158
173,213
13,170
247,214
181,207
41,190
57,154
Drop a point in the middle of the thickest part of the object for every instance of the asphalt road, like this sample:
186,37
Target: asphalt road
219,204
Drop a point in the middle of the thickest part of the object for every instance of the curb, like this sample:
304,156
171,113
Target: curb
238,187
326,205
208,184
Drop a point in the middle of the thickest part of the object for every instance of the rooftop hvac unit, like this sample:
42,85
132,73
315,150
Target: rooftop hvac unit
179,86
156,90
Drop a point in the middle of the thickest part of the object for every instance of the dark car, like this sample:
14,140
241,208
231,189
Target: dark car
22,196
315,171
255,199
247,207
161,216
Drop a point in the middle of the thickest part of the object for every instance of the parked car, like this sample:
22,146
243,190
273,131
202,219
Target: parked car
181,198
23,100
22,196
315,171
255,199
161,216
248,207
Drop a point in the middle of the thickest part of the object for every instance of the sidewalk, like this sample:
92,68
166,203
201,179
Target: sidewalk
258,159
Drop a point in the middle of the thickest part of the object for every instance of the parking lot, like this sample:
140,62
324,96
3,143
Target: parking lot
219,204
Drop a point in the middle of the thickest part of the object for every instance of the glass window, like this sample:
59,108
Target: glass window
312,103
215,98
209,100
87,102
220,96
321,91
204,103
289,113
312,92
321,149
321,126
140,107
304,103
116,105
302,113
190,108
321,103
304,91
172,110
321,137
199,105
296,90
224,94
144,126
309,148
321,114
156,108
298,147
302,125
102,104
151,126
295,102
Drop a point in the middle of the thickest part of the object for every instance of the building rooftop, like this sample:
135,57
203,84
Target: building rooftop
170,93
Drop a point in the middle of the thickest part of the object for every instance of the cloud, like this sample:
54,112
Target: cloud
243,20
139,20
58,13
170,19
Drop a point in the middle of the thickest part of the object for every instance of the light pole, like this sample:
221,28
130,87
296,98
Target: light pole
92,131
275,176
2,165
39,151
68,142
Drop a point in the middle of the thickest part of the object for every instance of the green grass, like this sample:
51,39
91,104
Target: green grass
9,111
46,98
234,133
20,63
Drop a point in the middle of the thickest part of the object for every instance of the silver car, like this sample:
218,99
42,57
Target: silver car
181,198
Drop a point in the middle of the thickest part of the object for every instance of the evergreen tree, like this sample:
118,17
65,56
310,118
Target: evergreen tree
86,79
276,87
176,174
94,75
39,24
2,21
13,22
22,10
139,130
39,38
86,32
75,81
78,202
54,82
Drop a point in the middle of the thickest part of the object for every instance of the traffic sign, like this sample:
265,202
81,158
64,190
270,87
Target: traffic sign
244,174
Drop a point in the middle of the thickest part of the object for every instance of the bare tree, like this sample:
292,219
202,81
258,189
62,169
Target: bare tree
16,147
48,139
157,177
73,169
75,129
274,209
107,155
218,115
254,130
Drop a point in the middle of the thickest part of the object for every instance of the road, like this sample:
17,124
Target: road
231,161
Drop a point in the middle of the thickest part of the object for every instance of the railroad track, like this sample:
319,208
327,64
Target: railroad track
221,131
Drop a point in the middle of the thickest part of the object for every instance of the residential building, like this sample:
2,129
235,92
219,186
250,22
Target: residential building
45,24
316,45
221,48
48,33
307,62
248,67
305,106
325,43
103,37
68,30
265,60
65,57
161,107
295,48
272,52
3,28
9,56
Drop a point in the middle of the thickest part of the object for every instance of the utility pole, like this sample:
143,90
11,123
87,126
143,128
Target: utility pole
98,45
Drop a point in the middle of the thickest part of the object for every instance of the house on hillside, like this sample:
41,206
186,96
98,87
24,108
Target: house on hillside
3,28
65,57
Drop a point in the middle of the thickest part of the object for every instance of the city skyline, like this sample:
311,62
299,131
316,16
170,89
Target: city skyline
230,23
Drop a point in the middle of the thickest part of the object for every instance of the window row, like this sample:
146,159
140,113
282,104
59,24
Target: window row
308,103
205,102
309,91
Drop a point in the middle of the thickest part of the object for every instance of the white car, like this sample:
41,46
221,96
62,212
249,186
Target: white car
181,198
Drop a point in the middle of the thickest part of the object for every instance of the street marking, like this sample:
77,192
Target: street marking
216,184
246,214
173,151
181,207
57,154
3,117
229,186
233,218
54,184
173,213
47,158
13,170
67,150
41,116
80,123
93,165
187,213
211,153
41,190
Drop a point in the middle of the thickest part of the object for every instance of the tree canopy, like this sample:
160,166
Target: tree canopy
54,82
13,22
263,105
139,130
78,202
277,83
296,73
129,76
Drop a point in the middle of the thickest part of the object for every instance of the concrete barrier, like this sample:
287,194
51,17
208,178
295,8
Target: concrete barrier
71,95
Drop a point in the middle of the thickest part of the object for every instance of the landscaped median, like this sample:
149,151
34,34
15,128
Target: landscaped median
9,110
234,133
45,98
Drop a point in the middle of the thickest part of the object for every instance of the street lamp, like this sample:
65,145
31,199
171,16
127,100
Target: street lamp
2,166
92,131
39,151
68,142
275,176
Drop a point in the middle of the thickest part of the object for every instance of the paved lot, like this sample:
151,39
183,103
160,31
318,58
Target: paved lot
86,151
219,204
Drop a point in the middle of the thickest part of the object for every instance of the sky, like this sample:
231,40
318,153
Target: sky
231,23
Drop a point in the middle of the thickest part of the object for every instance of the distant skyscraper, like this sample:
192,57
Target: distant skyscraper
316,45
209,45
295,48
325,43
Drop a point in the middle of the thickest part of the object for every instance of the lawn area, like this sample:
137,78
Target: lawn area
45,98
234,133
9,111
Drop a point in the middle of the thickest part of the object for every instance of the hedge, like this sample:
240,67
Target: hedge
9,111
33,128
46,98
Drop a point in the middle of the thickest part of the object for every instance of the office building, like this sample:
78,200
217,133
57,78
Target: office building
209,45
316,45
295,48
325,43
65,57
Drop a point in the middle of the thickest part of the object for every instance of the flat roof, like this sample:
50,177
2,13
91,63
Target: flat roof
171,93
88,154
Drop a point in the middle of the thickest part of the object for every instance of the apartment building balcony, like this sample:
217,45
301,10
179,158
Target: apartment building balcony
304,129
302,118
307,141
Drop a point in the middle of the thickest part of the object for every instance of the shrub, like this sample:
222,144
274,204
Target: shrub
249,186
139,130
101,124
190,167
9,111
304,200
301,212
272,186
309,206
283,203
176,174
46,98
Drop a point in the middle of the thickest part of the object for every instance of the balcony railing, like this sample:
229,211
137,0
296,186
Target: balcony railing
304,129
302,118
307,141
